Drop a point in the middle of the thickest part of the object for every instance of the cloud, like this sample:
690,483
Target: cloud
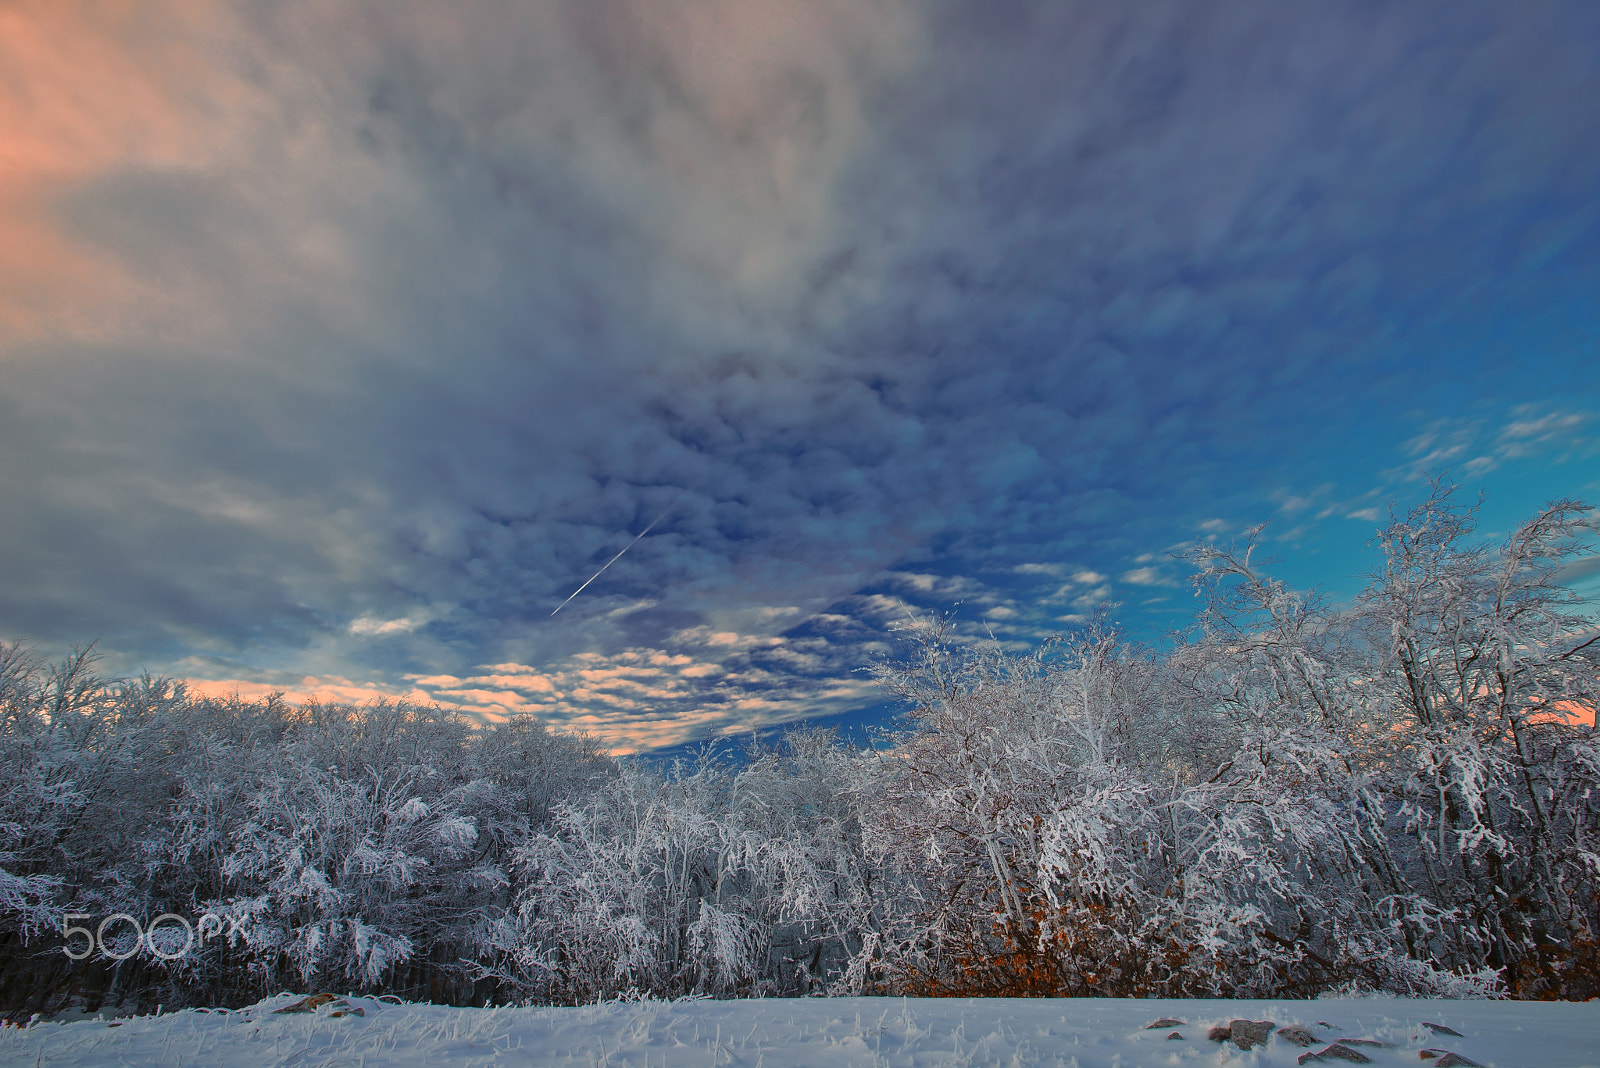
379,627
702,684
913,581
1529,429
1477,447
322,690
1578,570
1146,576
342,342
639,699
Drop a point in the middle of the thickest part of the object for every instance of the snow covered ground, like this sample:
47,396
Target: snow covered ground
818,1032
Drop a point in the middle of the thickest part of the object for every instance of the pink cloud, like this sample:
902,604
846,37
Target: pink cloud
88,89
326,689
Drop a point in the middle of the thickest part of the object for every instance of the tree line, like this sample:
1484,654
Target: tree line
1400,793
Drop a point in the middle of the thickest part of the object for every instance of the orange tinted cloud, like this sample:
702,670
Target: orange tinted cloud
86,88
632,700
326,689
644,698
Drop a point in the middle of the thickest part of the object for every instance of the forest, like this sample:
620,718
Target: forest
1396,793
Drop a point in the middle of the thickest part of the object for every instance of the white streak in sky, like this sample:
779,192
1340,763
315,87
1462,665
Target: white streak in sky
624,549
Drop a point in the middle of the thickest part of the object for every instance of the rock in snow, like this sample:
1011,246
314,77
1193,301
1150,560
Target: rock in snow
1336,1052
1247,1034
1297,1035
338,1005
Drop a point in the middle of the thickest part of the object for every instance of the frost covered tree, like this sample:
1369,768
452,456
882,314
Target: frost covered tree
366,847
709,878
1488,695
1395,794
342,846
1058,832
1399,793
1445,720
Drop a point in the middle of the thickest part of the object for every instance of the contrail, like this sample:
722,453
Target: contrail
624,549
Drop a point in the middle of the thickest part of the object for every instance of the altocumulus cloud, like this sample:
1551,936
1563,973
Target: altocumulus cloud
343,341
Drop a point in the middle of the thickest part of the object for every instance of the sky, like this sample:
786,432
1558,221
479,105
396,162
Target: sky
341,342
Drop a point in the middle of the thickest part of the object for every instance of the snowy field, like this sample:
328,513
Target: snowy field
817,1032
